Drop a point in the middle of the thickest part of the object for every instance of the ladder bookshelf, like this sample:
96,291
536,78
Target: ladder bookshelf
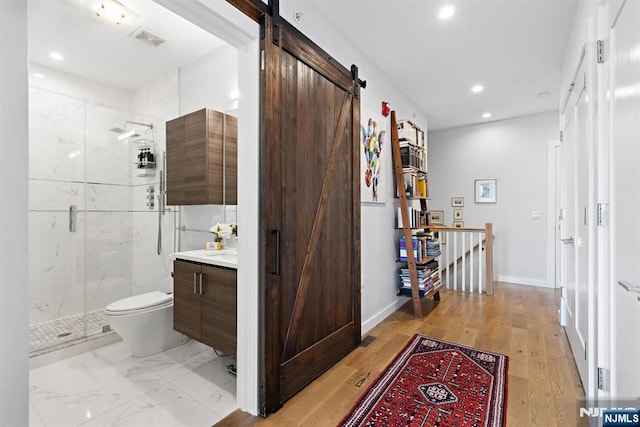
407,229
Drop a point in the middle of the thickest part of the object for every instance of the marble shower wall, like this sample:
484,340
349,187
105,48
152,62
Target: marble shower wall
76,160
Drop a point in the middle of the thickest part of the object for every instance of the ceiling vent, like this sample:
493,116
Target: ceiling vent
147,37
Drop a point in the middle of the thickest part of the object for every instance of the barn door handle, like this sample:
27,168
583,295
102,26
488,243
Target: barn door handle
630,287
276,262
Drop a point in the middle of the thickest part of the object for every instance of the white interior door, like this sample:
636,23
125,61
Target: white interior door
625,203
574,225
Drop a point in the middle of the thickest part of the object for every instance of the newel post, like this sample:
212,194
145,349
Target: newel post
488,235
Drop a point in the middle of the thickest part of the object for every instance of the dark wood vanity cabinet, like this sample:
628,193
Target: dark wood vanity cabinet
202,159
205,304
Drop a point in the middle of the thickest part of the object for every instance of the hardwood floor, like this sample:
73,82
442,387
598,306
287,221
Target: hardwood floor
519,321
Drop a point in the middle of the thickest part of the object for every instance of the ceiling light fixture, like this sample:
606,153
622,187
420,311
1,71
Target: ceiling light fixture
57,56
544,94
477,89
486,115
112,11
446,12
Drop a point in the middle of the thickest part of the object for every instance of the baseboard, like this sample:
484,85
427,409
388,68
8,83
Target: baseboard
527,281
371,322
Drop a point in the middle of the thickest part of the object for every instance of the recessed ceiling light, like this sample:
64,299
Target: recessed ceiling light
486,115
38,75
544,94
477,88
57,56
446,12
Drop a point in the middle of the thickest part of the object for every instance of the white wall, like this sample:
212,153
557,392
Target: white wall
14,396
379,237
209,81
514,152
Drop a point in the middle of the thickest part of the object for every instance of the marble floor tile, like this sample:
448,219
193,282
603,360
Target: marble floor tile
166,406
185,386
180,361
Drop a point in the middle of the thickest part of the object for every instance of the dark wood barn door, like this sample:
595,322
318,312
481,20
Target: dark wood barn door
311,205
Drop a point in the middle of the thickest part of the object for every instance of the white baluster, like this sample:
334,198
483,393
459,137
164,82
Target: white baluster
455,261
463,236
480,264
445,257
471,272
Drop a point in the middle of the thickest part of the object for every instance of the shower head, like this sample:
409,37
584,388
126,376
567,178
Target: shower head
124,133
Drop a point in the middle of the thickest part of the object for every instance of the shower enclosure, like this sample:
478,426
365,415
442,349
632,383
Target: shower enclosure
93,218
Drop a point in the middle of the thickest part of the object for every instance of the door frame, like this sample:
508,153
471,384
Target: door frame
592,144
554,181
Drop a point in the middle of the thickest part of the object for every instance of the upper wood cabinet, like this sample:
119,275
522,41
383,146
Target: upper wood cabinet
202,159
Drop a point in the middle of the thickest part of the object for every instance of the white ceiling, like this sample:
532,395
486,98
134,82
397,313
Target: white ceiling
104,52
514,48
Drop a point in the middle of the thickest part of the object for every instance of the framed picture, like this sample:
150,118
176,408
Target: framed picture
458,224
457,201
486,190
436,217
457,214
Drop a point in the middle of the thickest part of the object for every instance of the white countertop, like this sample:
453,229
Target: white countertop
222,258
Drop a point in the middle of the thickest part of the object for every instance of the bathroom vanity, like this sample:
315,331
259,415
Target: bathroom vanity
205,299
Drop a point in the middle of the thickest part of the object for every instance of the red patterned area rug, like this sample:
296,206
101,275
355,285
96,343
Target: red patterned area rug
436,383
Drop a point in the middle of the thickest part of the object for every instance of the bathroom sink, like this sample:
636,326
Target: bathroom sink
222,258
231,257
222,252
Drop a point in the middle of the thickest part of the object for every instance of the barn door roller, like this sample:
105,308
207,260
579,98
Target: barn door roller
274,5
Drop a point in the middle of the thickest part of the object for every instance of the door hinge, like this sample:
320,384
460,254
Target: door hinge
603,379
602,216
600,52
584,81
561,136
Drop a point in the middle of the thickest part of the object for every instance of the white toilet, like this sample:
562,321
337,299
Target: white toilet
145,323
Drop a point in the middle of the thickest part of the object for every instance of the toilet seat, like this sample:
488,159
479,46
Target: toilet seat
139,303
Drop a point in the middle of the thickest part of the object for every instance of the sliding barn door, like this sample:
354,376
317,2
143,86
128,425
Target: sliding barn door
311,201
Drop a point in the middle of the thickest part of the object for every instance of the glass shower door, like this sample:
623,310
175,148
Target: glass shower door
56,219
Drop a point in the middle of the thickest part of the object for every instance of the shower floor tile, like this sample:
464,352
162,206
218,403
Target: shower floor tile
59,331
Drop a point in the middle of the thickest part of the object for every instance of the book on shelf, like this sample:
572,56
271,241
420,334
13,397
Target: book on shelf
423,248
417,218
415,183
408,131
411,157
